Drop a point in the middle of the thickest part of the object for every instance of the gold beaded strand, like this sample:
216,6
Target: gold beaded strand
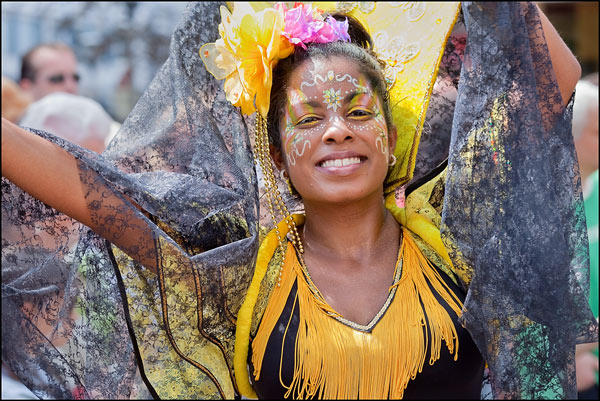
274,199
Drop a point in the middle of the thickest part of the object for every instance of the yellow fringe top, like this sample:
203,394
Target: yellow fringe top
335,358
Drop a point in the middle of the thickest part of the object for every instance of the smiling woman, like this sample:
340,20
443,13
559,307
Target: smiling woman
331,141
382,286
340,291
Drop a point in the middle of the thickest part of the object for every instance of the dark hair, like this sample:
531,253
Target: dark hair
28,70
359,49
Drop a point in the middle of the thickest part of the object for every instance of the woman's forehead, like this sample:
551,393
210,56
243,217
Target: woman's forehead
315,75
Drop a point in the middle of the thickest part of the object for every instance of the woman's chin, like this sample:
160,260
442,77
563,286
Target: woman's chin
344,195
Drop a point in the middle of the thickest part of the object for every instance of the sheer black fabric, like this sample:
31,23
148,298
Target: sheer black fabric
435,137
513,206
153,314
183,155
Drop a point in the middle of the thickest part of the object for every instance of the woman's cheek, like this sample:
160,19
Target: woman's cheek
374,131
298,143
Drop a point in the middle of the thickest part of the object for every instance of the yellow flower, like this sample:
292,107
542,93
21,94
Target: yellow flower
250,46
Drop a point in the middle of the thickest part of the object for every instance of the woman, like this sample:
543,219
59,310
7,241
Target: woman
187,232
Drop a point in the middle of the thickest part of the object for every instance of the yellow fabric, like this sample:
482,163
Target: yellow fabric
412,44
418,215
412,49
336,361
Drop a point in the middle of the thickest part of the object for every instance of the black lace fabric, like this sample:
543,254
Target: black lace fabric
153,313
513,208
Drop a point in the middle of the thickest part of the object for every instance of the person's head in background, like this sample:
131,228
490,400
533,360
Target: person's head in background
78,119
592,77
48,68
585,127
14,100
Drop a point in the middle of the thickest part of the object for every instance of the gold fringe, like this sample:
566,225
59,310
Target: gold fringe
335,361
273,311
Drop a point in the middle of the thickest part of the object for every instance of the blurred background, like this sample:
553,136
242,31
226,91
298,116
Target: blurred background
577,23
121,45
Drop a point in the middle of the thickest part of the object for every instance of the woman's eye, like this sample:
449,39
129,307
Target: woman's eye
307,120
360,113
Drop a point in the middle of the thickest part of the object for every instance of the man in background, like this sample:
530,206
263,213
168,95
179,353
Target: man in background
48,68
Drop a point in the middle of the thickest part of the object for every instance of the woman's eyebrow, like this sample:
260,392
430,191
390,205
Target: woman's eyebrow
315,103
310,103
350,96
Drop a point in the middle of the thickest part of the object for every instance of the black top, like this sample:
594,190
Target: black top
445,379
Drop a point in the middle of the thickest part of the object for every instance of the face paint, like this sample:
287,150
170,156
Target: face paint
295,143
331,98
381,143
382,139
332,77
341,121
297,135
298,151
366,102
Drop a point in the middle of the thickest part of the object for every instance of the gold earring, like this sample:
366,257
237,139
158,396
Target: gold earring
392,160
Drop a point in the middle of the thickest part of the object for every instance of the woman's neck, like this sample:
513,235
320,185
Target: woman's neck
348,230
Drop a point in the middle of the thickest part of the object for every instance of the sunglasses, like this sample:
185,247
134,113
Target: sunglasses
60,78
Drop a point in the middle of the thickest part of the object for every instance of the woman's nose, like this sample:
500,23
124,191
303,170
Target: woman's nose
337,131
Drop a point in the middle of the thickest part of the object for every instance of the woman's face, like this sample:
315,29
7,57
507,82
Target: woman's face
334,134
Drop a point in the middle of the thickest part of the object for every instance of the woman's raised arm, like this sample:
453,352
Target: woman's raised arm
51,174
565,64
44,170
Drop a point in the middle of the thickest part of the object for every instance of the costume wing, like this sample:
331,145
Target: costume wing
183,155
514,209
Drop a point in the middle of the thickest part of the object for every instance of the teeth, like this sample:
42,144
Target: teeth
341,162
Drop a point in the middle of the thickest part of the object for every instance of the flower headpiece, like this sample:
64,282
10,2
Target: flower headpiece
251,43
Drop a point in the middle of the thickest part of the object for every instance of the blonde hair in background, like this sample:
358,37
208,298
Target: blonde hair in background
78,119
14,100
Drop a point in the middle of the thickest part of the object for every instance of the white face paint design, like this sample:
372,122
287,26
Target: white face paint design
332,77
382,140
381,143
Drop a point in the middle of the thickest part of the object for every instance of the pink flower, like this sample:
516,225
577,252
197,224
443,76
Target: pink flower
302,26
340,28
